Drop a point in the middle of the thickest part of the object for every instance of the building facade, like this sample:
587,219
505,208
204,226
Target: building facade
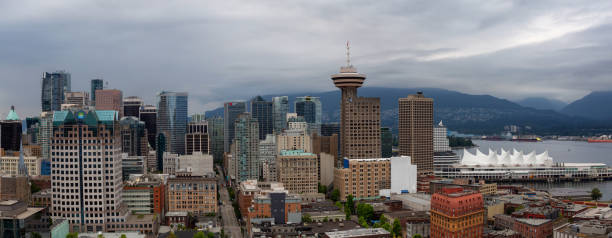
298,171
440,138
246,143
131,106
216,136
416,131
9,165
267,157
96,84
109,99
386,142
262,111
54,85
197,138
86,171
231,111
79,99
457,213
148,115
11,131
276,207
362,178
172,120
280,107
134,137
359,117
310,108
194,194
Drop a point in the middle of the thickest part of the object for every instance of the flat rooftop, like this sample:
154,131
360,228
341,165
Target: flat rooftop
533,222
357,232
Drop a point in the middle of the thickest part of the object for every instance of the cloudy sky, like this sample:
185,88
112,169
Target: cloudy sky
223,50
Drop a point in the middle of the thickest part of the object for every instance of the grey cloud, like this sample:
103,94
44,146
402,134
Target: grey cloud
234,49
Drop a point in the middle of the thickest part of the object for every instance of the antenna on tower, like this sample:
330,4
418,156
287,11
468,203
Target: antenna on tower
348,54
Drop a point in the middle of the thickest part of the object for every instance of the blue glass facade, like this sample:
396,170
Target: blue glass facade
54,85
45,167
172,120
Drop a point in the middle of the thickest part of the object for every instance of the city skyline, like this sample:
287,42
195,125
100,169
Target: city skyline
495,45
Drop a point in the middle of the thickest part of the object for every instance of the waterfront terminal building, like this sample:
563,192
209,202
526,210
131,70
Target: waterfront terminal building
516,165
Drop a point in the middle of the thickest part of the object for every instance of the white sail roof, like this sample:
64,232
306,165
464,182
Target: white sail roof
505,158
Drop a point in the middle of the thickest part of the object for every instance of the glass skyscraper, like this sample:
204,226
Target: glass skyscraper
172,120
262,111
215,131
96,84
280,107
54,85
246,148
386,142
231,112
310,108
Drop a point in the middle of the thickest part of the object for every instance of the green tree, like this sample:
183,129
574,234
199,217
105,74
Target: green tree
171,235
199,235
210,235
34,235
339,205
34,188
123,236
350,203
596,194
417,236
306,218
100,236
365,210
396,228
362,222
347,211
72,235
335,195
325,219
387,227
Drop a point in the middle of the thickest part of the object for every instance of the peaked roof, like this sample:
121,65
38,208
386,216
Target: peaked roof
12,115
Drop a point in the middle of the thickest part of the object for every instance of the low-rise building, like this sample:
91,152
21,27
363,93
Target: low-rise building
456,212
14,187
194,194
275,207
41,198
503,221
412,222
414,201
362,178
143,224
17,219
595,213
583,229
359,233
250,188
145,194
534,228
9,165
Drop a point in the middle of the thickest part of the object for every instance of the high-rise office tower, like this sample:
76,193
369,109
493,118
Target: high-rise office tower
78,99
197,138
329,129
246,143
32,128
262,111
44,134
310,108
54,85
10,131
109,99
416,131
86,182
280,107
131,106
386,142
215,132
96,84
134,140
359,116
267,157
148,115
172,120
230,113
440,138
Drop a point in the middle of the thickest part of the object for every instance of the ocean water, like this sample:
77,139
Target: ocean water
560,151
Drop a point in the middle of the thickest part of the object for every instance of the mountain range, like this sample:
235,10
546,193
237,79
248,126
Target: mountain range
474,114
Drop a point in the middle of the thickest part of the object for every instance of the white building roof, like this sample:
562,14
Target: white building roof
516,158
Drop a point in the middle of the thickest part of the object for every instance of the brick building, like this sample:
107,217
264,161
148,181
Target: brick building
457,213
534,228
